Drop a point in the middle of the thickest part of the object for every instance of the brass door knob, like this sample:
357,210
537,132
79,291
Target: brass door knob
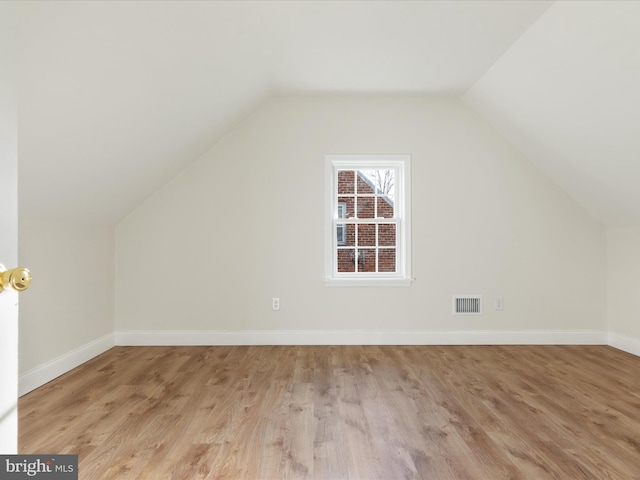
18,278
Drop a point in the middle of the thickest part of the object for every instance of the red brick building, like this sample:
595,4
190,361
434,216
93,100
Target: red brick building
368,243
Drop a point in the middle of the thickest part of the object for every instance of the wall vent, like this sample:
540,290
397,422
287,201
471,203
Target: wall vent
467,304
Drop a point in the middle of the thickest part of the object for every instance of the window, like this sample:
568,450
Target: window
342,213
368,220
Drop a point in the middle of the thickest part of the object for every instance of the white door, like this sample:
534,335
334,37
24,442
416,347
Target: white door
8,228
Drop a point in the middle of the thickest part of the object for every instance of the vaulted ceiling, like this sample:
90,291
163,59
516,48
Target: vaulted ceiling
117,97
567,94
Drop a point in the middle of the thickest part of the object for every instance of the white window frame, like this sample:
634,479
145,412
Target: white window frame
402,211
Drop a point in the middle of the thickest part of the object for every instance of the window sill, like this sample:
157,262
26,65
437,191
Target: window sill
368,282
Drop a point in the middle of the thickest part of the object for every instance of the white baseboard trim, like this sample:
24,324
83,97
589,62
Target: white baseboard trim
38,376
358,337
46,372
624,343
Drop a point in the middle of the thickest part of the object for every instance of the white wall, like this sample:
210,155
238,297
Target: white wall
245,223
624,288
66,316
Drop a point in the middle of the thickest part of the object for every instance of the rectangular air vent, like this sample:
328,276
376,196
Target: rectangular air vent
467,304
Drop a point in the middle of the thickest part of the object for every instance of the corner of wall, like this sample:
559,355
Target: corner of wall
44,373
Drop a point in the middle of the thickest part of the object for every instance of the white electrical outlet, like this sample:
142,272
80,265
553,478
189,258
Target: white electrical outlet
275,303
498,304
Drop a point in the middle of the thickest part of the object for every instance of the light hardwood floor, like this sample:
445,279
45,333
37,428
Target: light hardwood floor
334,412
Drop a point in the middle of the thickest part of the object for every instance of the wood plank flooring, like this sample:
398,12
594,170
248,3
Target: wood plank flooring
344,412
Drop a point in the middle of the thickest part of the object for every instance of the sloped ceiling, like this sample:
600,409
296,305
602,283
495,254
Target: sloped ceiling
117,97
567,94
